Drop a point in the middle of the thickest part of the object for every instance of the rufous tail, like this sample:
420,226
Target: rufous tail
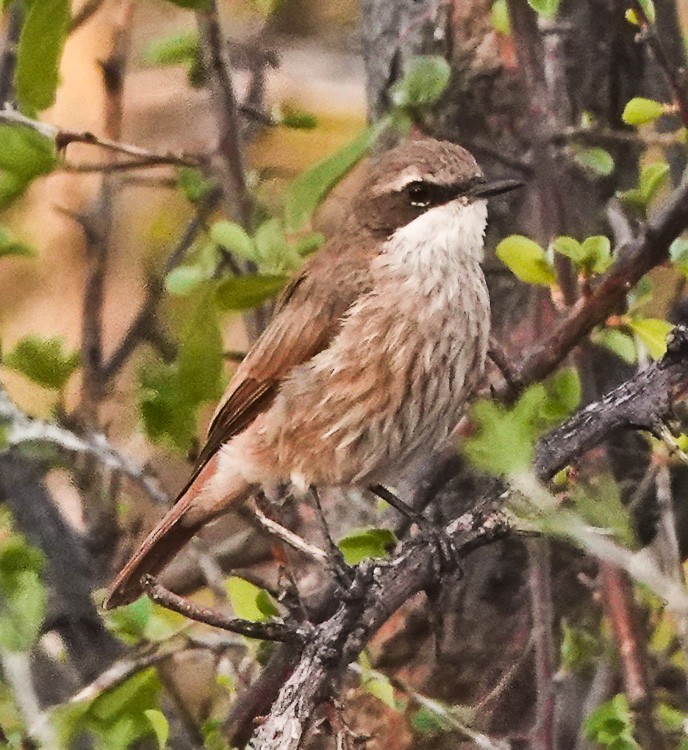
187,516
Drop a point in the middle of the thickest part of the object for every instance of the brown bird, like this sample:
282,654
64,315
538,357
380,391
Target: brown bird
371,353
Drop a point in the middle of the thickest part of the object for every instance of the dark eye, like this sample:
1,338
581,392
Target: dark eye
419,194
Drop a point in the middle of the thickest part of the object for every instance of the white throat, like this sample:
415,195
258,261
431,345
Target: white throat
438,241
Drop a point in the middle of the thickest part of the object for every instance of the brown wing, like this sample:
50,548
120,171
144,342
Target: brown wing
305,320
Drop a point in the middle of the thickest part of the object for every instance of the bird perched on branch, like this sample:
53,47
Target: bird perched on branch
371,353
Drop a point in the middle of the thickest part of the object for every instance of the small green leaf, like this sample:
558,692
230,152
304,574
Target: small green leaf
193,4
183,281
652,178
570,248
382,689
597,253
597,160
38,54
200,357
232,237
648,6
308,190
499,15
193,184
364,543
423,83
246,292
173,50
579,649
653,333
160,726
309,243
678,253
563,396
24,155
290,117
9,246
640,111
44,361
611,725
526,259
617,342
546,8
249,601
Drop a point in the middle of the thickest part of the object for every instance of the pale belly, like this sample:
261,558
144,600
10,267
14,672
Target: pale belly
389,390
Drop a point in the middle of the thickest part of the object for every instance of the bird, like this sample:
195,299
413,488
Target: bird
372,351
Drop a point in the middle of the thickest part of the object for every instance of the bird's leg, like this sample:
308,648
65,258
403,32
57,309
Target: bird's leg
341,571
448,558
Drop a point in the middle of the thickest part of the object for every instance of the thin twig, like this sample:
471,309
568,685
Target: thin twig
265,631
22,429
64,138
289,537
675,79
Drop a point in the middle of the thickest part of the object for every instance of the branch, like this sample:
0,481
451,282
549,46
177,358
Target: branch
64,138
385,586
676,79
231,166
633,261
265,631
22,429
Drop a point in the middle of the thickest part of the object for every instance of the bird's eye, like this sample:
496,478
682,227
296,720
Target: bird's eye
419,194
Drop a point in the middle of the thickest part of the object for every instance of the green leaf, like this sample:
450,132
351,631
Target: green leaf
129,623
309,243
579,649
159,724
678,253
597,252
611,725
672,718
617,342
246,292
200,357
233,237
546,8
193,4
24,155
173,50
9,246
183,281
364,543
499,15
166,418
423,83
598,503
563,396
291,117
652,178
308,190
648,6
653,333
597,160
249,602
526,259
640,111
44,361
193,184
275,256
381,688
38,54
22,594
569,248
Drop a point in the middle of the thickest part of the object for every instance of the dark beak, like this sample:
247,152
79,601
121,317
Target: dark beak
494,187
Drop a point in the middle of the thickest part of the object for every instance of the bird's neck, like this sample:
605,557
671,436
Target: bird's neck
437,245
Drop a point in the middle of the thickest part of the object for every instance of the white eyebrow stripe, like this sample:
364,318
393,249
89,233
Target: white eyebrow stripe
400,181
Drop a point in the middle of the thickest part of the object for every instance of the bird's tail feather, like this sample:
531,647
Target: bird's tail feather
175,530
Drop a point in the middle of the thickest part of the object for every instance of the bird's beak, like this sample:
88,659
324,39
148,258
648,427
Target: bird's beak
494,187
